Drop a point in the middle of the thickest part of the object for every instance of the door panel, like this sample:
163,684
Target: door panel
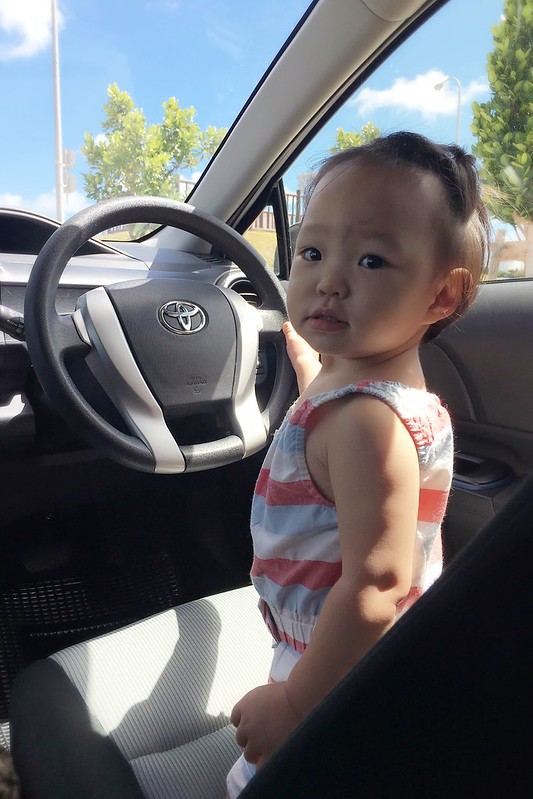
482,369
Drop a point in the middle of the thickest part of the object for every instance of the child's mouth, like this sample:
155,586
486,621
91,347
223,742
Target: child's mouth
325,322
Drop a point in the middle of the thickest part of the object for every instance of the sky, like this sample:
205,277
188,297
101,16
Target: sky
209,54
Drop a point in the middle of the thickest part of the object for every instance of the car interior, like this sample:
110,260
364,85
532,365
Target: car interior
128,627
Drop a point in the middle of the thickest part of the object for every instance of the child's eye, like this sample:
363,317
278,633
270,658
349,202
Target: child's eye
311,254
372,261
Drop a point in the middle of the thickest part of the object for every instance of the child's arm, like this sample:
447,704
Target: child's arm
304,359
374,478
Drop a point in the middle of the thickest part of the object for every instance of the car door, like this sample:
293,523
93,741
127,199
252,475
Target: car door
481,368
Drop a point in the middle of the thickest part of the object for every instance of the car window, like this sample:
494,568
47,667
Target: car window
102,98
464,76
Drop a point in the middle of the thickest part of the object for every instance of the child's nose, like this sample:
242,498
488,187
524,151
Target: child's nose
333,282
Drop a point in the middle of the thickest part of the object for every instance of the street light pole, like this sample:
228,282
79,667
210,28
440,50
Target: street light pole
438,87
57,118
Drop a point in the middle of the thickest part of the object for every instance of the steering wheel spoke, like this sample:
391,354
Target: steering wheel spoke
115,368
271,321
70,341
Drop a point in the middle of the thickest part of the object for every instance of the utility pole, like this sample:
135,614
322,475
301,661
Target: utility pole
57,118
438,87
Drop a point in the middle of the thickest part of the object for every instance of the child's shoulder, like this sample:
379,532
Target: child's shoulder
390,391
359,436
416,408
397,393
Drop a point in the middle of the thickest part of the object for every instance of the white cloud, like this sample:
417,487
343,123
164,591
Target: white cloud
419,94
45,203
10,200
25,27
74,202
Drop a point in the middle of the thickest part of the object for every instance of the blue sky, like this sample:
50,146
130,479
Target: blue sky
208,54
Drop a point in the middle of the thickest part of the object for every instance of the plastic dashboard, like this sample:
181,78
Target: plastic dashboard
27,421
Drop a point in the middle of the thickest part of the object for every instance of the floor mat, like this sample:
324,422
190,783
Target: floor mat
43,616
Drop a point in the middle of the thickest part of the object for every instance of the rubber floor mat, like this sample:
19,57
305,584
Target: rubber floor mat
41,617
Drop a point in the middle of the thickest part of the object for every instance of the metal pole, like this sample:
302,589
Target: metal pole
438,87
458,112
57,118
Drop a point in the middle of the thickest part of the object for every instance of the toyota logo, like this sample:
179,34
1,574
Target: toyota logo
182,317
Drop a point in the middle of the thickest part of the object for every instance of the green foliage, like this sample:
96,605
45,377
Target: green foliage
133,157
504,125
352,138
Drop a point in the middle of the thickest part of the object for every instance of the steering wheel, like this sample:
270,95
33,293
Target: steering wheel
173,354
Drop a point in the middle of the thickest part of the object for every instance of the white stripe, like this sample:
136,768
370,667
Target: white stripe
312,543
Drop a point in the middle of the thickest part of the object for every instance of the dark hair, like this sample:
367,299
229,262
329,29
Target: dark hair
466,231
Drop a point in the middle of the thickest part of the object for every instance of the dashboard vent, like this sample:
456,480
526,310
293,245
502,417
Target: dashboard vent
243,287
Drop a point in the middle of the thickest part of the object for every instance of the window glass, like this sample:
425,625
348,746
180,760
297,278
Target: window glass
262,235
454,81
262,232
102,98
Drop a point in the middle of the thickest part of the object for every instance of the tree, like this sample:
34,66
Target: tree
132,157
353,138
504,124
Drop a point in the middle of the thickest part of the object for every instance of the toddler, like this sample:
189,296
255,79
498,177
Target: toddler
348,506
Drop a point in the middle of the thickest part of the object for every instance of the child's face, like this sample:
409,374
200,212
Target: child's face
366,265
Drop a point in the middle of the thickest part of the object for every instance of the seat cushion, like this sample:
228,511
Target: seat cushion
155,697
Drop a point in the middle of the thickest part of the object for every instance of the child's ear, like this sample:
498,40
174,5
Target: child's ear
452,292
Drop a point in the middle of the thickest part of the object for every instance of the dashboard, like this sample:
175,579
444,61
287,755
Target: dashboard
28,423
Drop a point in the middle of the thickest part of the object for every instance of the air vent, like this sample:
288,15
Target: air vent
246,290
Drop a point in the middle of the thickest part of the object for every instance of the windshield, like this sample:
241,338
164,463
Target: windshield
103,98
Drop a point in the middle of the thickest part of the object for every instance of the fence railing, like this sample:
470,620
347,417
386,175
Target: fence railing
265,220
504,251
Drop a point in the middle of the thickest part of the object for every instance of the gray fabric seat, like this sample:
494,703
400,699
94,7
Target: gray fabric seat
441,707
160,691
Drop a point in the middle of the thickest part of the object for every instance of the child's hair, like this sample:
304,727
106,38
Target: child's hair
465,228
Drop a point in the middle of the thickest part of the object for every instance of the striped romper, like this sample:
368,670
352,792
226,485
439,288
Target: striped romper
297,556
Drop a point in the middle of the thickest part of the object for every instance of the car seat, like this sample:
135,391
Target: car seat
440,707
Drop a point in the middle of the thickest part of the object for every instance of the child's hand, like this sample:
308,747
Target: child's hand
304,359
264,719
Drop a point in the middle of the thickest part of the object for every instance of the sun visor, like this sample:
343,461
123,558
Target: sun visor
392,11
